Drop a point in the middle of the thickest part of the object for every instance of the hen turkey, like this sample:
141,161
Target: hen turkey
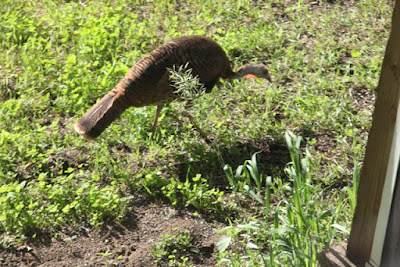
148,82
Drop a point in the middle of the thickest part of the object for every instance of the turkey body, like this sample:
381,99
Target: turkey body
148,83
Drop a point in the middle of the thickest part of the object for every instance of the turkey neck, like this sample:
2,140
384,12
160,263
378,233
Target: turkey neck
244,70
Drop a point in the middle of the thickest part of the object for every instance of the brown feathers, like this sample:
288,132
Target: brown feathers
147,82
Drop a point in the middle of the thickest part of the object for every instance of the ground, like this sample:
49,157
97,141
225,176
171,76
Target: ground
128,243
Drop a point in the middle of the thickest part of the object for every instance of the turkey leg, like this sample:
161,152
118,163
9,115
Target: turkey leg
158,111
194,122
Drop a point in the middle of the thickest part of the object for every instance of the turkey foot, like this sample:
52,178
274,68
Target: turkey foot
196,125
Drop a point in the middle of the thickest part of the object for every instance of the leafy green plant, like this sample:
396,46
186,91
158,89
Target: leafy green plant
233,179
241,181
352,190
172,249
244,174
194,192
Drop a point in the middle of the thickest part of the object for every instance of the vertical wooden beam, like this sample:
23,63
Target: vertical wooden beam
378,152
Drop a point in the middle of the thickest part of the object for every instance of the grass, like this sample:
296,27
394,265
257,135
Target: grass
58,57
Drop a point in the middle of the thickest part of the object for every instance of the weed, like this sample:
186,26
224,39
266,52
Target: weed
172,248
244,175
187,86
195,193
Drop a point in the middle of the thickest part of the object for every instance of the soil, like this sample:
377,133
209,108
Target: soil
117,244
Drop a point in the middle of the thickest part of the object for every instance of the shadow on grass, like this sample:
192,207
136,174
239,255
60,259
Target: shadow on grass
272,158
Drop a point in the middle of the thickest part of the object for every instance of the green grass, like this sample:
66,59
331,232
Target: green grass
58,57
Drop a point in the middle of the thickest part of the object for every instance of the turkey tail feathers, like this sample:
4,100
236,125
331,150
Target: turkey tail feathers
100,116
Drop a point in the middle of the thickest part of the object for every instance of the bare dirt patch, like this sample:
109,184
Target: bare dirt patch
363,99
117,244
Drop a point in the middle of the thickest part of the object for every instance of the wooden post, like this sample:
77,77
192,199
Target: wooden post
381,160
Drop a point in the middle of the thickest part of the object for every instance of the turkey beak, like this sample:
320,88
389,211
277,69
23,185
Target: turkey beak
268,77
265,75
